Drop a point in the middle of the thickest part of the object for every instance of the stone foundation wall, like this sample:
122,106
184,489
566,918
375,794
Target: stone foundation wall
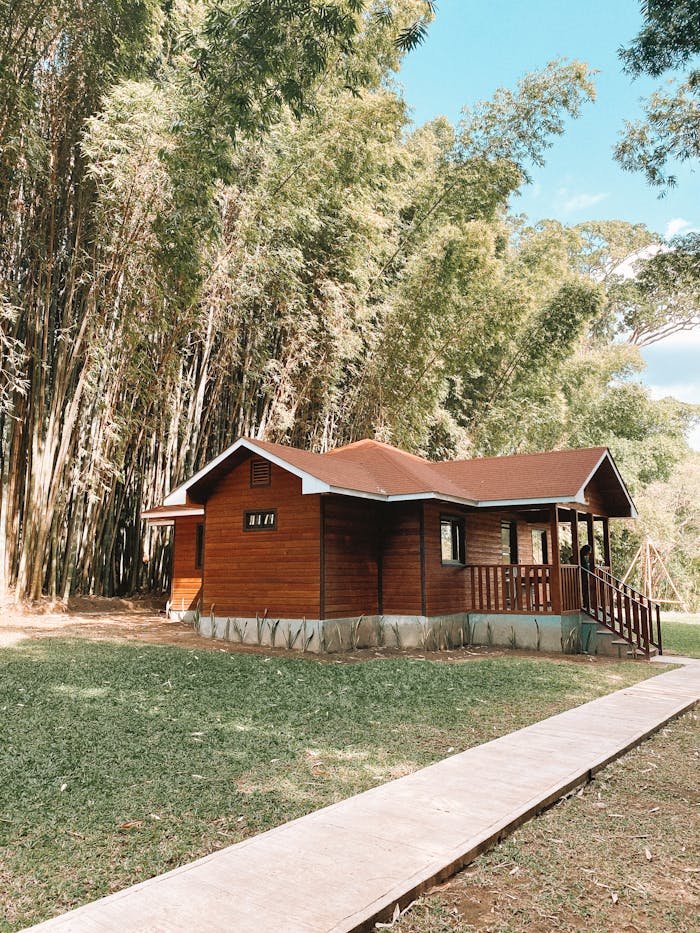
529,632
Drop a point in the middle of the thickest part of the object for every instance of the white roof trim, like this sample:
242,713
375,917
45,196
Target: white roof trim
399,497
154,515
556,500
175,512
309,483
581,494
411,496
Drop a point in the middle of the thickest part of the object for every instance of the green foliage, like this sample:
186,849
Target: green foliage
664,297
668,133
668,516
217,219
518,126
669,38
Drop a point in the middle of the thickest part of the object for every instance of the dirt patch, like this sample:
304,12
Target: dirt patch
142,620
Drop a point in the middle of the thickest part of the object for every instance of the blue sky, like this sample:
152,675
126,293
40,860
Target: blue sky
473,48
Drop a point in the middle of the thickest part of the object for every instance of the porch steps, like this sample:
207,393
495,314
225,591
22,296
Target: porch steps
614,646
607,644
620,611
638,653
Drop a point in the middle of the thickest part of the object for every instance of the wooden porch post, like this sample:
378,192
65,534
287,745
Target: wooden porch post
591,537
574,537
555,580
606,542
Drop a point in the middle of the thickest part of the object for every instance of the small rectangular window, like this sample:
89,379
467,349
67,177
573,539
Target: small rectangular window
452,540
260,473
199,547
260,520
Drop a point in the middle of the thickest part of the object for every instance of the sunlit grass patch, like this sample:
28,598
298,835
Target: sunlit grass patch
681,634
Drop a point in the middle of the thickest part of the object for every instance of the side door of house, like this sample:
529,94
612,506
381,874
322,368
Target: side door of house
509,556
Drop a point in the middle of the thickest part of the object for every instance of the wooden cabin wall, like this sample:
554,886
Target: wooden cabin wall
401,559
351,546
484,538
186,586
525,549
597,495
411,576
248,572
445,584
483,544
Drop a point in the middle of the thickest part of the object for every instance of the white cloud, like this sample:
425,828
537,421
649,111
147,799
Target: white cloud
683,391
681,340
578,202
675,226
629,268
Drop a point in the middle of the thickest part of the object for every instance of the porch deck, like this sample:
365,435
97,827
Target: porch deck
566,589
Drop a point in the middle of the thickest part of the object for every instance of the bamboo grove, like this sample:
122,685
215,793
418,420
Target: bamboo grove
218,219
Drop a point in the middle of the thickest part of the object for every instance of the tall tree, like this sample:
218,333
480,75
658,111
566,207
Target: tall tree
670,129
669,38
106,275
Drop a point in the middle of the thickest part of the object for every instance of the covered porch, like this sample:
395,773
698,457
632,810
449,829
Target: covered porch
549,582
553,582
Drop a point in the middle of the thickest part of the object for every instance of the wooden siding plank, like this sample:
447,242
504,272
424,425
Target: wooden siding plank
401,579
350,549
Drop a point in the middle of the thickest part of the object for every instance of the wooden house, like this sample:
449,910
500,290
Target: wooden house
368,544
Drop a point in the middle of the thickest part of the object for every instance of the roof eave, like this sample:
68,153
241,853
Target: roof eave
541,500
413,496
160,516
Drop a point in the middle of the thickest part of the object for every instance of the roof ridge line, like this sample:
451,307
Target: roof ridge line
532,453
367,441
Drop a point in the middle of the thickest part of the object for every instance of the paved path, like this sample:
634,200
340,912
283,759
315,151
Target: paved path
344,867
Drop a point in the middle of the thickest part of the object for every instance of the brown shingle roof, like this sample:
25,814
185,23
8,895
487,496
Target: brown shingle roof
368,467
554,475
373,467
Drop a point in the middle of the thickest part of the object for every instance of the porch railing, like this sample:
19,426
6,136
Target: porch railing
510,587
528,588
570,587
627,612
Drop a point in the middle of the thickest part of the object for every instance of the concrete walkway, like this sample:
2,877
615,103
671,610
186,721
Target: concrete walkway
348,865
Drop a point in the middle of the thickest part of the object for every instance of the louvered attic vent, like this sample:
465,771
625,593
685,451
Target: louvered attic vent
259,473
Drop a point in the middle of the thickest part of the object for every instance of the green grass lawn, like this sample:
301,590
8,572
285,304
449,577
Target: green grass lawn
681,634
118,762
